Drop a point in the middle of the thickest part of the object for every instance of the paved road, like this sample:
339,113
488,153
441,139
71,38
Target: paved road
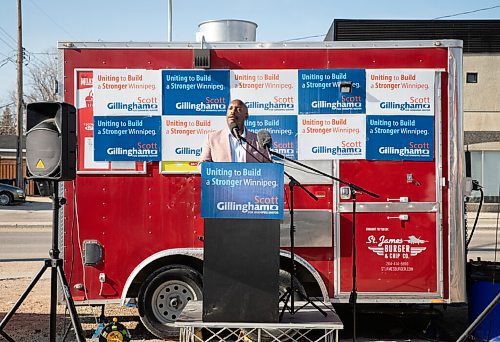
482,245
28,243
486,239
36,212
25,229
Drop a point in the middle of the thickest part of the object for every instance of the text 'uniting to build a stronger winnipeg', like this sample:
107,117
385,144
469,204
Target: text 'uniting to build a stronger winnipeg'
248,178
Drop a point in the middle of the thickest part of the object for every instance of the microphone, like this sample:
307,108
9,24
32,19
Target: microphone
264,139
235,131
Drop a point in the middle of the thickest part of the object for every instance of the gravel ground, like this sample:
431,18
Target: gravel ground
31,321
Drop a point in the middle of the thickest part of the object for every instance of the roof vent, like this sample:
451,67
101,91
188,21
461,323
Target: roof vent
226,30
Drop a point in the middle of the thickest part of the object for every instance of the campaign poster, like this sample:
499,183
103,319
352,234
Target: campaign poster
195,92
400,137
327,137
332,91
84,103
266,91
283,131
127,92
400,91
183,136
242,190
127,138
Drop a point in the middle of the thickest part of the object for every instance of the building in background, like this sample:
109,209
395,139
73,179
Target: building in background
481,90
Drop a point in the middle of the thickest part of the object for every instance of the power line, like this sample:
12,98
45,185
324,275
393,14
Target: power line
44,53
38,61
5,61
26,56
469,12
446,16
50,18
7,105
300,38
7,43
8,35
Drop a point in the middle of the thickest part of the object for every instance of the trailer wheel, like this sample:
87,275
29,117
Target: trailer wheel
286,334
163,296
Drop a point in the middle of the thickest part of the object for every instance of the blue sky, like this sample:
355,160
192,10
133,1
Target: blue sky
45,22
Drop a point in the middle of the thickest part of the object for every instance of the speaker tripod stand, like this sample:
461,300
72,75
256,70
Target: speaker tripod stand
56,272
289,294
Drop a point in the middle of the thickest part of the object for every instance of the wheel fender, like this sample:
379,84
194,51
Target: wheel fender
191,252
198,253
310,269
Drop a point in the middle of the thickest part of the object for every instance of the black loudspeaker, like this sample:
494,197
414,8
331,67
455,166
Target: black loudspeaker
241,270
51,141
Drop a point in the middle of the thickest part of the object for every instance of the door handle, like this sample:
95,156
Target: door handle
400,199
402,217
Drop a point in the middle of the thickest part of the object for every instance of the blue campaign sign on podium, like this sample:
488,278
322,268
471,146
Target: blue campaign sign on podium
242,190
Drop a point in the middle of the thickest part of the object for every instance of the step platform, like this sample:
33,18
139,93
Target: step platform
308,324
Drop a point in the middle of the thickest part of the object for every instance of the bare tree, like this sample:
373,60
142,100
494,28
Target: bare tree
41,72
41,75
7,123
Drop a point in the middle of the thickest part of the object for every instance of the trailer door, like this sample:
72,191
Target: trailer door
398,235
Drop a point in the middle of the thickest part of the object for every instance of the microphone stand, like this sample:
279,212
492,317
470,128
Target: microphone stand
354,190
290,291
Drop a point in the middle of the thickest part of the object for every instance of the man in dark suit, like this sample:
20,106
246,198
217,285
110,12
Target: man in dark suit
222,146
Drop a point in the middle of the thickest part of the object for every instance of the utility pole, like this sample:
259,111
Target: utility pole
169,23
19,99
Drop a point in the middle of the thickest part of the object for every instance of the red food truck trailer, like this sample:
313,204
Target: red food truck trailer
386,116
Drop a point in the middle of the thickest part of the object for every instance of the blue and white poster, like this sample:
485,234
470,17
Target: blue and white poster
195,92
266,91
400,91
283,130
332,91
183,136
242,190
400,137
331,136
126,92
127,138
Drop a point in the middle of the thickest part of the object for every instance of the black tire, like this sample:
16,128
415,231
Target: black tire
5,198
164,294
284,283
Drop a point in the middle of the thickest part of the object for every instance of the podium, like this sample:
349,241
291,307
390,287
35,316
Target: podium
242,204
